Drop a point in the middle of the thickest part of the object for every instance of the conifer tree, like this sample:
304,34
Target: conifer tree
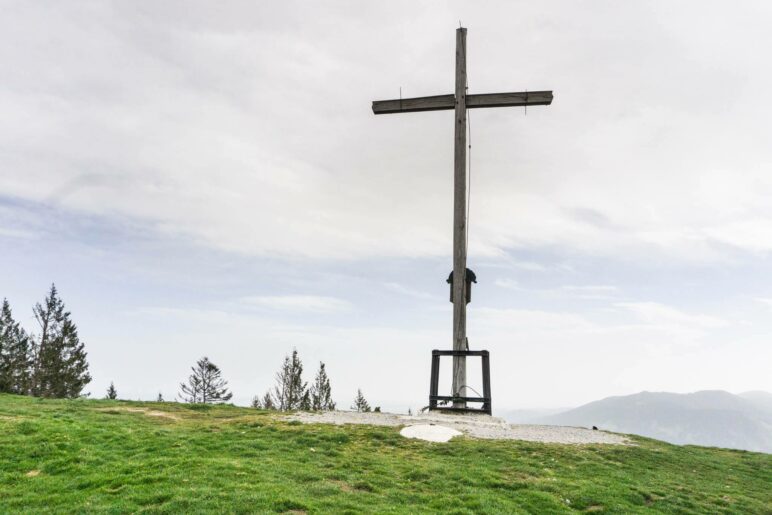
191,392
290,390
305,402
60,368
160,397
112,393
256,402
268,401
321,392
205,385
360,404
15,359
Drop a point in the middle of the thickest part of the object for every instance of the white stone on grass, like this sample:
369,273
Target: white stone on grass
429,432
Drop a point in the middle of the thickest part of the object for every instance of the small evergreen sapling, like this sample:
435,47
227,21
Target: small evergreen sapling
290,392
360,403
305,402
268,401
205,385
321,392
191,391
112,393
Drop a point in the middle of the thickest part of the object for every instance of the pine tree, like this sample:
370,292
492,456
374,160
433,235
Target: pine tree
268,401
360,404
160,397
256,402
112,393
60,368
305,402
14,354
205,385
191,392
321,392
290,390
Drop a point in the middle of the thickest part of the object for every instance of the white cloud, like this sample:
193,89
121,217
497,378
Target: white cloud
655,313
299,303
589,292
503,282
508,262
18,233
410,292
214,127
531,320
751,235
597,292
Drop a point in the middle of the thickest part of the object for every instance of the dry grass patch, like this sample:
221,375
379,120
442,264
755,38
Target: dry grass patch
12,418
144,411
344,487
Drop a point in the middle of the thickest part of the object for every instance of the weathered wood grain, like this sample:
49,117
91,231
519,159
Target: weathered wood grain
523,98
459,221
446,102
410,105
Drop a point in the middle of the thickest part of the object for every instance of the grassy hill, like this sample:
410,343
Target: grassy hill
116,456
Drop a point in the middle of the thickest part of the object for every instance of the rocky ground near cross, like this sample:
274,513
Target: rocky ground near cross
473,425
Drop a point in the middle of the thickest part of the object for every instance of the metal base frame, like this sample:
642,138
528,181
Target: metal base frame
435,381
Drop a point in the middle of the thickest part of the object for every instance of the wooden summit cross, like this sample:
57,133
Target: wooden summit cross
460,102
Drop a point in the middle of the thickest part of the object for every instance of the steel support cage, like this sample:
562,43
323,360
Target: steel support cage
434,398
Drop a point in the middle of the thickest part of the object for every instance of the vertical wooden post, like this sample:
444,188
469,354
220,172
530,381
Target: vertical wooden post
486,377
459,221
434,381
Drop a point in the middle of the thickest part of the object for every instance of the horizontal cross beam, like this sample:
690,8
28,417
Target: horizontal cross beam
460,353
443,102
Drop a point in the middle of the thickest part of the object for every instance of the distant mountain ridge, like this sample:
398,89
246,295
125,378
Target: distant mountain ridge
712,418
760,399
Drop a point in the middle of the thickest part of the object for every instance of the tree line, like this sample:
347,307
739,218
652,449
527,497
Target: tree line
52,363
289,393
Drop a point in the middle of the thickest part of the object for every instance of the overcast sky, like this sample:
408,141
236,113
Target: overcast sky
205,178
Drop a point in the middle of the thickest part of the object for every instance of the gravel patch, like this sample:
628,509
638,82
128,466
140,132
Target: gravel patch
473,425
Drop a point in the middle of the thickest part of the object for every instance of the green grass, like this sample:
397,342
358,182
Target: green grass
100,456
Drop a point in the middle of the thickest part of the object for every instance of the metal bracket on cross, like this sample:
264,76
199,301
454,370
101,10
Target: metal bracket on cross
460,403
